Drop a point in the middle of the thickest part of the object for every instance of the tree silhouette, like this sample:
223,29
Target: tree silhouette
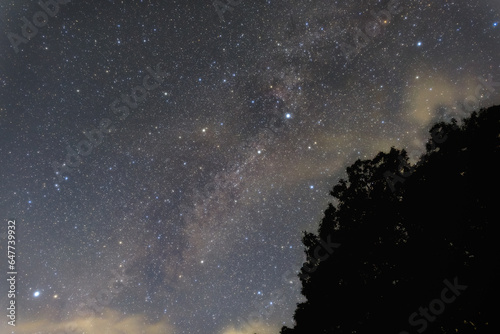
405,229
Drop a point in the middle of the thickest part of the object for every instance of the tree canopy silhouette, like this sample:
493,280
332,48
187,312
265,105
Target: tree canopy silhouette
403,230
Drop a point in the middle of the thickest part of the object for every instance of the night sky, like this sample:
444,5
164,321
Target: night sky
161,162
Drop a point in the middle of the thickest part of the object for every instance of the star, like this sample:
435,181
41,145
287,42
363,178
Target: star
171,144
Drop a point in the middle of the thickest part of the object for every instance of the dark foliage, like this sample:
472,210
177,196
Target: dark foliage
402,231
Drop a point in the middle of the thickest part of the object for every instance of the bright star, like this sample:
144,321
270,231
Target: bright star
288,115
36,294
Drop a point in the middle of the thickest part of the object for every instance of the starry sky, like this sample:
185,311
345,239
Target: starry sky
162,158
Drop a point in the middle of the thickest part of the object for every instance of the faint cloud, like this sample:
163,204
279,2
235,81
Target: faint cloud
112,322
251,328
